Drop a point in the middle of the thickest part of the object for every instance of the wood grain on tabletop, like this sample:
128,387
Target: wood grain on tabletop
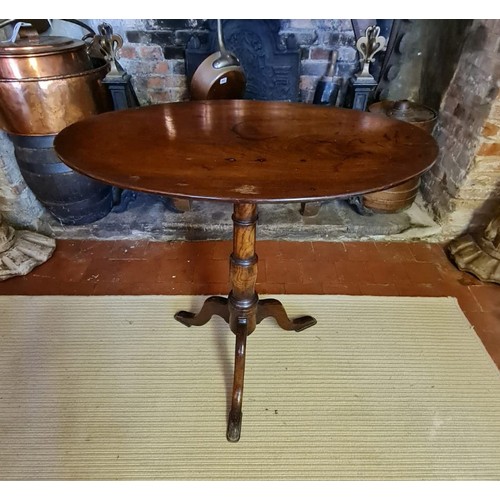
247,151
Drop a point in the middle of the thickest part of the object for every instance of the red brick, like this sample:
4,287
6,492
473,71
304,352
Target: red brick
420,290
31,285
297,250
156,83
265,249
270,288
94,249
395,252
67,248
211,271
222,249
488,297
423,272
209,289
160,68
382,273
151,52
203,249
176,271
452,274
63,267
351,288
128,52
463,294
283,271
325,251
484,321
361,251
490,130
349,272
385,290
166,250
128,250
304,288
428,252
319,53
489,149
314,273
127,288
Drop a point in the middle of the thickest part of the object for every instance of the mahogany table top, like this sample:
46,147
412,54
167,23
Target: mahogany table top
247,151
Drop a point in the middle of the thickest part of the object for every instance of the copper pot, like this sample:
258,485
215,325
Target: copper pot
219,76
403,195
43,106
48,83
40,57
407,111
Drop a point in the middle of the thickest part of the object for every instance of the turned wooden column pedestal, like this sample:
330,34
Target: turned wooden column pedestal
242,309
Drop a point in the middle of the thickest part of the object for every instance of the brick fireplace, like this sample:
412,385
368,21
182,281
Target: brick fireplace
461,192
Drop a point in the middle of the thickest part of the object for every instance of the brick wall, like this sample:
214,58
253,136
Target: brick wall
153,52
464,187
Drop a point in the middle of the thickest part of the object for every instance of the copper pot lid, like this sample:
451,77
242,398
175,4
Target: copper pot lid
404,110
39,45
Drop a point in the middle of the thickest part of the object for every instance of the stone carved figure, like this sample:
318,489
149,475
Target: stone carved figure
480,256
21,251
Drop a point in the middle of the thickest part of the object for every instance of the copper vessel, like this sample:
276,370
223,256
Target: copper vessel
402,196
48,83
42,106
220,75
40,57
407,111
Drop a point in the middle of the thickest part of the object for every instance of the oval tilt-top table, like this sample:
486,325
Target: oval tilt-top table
246,152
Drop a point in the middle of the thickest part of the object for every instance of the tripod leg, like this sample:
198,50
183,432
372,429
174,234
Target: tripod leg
212,306
234,420
274,308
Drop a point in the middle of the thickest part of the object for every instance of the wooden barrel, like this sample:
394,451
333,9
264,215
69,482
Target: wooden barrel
70,197
400,197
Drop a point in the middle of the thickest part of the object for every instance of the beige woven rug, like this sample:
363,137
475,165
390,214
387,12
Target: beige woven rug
114,388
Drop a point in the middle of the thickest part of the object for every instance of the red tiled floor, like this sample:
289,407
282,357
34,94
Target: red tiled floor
488,296
191,268
394,252
326,251
283,271
357,251
426,252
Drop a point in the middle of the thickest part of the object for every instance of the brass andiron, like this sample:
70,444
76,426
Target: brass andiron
21,251
480,256
362,85
106,45
369,45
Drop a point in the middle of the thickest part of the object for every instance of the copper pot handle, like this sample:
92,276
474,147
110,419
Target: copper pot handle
22,30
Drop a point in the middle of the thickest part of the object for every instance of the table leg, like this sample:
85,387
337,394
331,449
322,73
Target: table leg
274,308
242,309
243,302
213,306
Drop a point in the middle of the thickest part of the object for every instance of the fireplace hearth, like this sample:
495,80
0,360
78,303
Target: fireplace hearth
147,219
456,73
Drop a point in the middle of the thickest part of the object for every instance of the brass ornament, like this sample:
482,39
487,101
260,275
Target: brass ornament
369,45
